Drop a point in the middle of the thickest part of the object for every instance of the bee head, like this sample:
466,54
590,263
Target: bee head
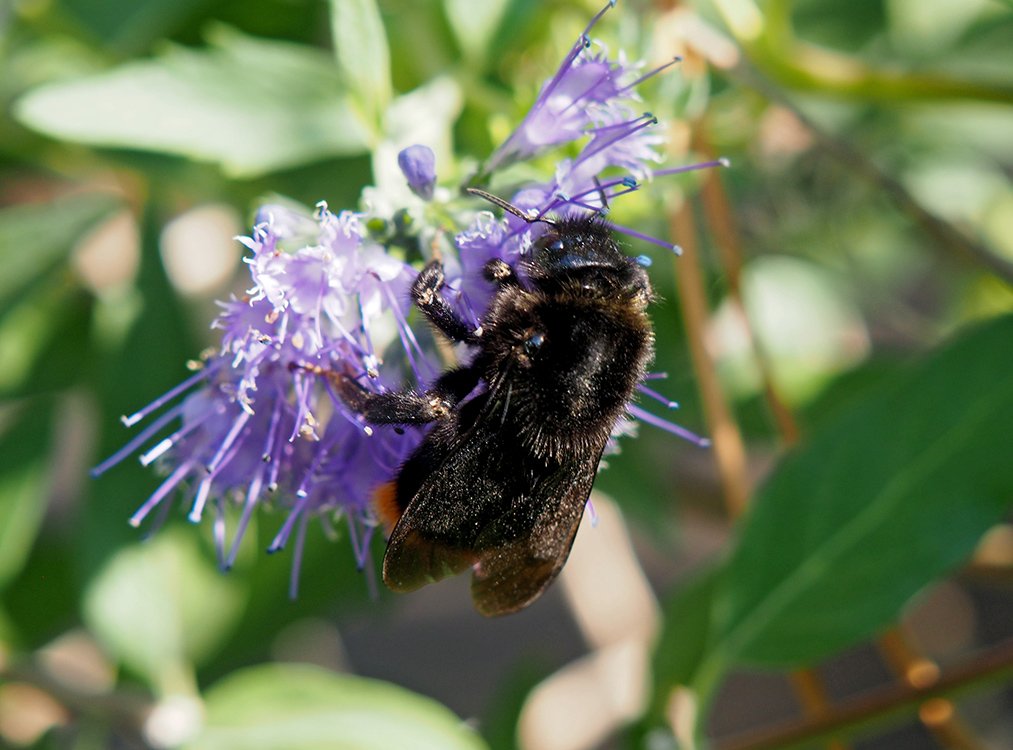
579,250
583,250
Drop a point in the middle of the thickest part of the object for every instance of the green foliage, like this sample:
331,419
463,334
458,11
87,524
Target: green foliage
161,607
128,26
289,103
474,25
360,46
23,486
907,480
36,240
305,708
900,470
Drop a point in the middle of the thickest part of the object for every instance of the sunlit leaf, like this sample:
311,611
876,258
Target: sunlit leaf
250,105
804,350
360,44
23,482
291,707
159,606
35,238
475,24
882,500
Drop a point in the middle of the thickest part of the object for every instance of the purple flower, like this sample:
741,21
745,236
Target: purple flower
588,95
418,163
260,419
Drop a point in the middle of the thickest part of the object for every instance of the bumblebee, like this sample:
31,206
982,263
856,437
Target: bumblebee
499,482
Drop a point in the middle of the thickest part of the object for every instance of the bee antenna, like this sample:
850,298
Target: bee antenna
507,206
601,194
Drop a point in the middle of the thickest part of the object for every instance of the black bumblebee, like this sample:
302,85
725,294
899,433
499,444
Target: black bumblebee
499,483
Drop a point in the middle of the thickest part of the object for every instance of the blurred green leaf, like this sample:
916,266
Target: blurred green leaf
128,26
849,26
804,350
36,238
292,707
23,482
361,49
881,501
681,646
684,635
250,105
528,20
160,606
25,332
45,342
38,303
475,24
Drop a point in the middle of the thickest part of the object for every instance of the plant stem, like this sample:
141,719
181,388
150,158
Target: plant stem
769,40
847,717
727,439
943,234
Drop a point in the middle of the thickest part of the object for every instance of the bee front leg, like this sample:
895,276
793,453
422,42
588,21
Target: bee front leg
501,273
406,407
426,295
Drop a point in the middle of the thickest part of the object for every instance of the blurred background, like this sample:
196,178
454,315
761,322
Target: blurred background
830,279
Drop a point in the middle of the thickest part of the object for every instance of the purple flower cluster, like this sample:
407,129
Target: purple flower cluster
260,422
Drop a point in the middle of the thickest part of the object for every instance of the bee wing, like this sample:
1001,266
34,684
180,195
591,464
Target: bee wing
488,507
435,536
515,568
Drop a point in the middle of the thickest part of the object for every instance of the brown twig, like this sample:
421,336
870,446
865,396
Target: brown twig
723,227
992,666
812,694
938,715
727,440
943,234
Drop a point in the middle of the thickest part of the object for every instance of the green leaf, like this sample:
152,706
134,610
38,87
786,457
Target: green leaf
26,331
360,45
36,238
292,707
804,350
250,105
685,632
475,24
517,22
37,294
159,606
128,26
678,653
23,482
881,501
500,724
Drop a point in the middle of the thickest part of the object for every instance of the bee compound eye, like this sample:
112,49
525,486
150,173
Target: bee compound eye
533,342
556,245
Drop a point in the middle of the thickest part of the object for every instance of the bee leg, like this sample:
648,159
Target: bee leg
426,294
500,272
401,407
405,407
